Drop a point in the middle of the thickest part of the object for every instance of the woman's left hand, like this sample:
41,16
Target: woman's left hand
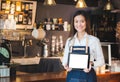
88,69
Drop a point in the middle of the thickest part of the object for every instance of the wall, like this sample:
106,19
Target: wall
65,11
60,10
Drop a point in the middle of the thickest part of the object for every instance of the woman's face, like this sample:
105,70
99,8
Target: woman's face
80,23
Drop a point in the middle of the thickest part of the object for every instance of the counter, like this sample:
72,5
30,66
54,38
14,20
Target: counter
57,77
32,60
39,64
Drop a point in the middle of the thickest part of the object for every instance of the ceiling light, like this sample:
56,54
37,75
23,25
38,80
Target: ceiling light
108,6
81,4
50,2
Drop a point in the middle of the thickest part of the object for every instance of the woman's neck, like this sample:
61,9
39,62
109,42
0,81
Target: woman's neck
80,35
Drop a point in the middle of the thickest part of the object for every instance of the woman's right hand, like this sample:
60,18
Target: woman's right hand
67,68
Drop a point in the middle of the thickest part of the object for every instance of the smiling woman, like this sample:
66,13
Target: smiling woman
80,36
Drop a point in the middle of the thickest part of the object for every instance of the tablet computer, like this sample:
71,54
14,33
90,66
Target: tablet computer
78,58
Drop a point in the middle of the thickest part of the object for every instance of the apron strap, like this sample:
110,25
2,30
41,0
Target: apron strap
86,45
72,41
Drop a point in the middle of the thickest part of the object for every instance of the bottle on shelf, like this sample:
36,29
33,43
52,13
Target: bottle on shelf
12,8
7,5
30,6
3,5
25,21
18,6
27,6
20,18
61,42
53,27
48,26
65,26
29,20
53,45
16,19
57,46
23,6
45,54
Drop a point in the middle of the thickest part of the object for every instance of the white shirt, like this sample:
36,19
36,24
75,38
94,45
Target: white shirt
96,53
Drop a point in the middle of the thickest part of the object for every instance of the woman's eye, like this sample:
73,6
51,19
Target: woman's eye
76,21
82,21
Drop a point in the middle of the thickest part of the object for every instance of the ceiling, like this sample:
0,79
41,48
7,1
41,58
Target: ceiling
90,3
72,2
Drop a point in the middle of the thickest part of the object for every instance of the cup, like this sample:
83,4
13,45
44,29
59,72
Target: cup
55,20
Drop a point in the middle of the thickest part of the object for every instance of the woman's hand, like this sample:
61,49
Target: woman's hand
67,68
88,69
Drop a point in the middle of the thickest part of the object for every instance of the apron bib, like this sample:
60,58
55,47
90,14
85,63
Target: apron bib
77,75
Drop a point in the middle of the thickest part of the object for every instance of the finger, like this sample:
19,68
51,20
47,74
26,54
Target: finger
69,69
89,67
86,70
66,66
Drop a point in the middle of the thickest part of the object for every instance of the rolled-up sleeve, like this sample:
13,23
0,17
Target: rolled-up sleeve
66,53
97,53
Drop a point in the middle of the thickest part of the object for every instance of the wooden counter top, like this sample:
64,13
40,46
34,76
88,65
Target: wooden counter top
41,77
109,77
57,77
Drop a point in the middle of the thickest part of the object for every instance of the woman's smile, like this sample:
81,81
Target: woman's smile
80,23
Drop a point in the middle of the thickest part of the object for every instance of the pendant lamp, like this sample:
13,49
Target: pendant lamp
81,4
108,6
50,2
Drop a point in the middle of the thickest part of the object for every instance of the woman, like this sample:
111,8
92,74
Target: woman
80,32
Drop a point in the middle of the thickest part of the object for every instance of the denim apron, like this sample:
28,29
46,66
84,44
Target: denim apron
81,76
77,75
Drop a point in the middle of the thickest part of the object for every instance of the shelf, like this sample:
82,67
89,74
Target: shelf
24,17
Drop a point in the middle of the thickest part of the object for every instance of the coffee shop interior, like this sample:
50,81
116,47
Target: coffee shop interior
33,34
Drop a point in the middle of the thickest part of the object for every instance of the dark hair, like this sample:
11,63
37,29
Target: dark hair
83,13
